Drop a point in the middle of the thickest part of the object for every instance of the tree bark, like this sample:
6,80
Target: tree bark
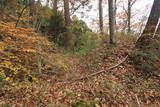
69,41
157,34
47,3
111,21
148,32
55,7
129,16
100,17
115,13
158,29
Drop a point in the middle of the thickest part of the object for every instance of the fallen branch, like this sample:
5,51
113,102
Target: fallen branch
99,72
138,102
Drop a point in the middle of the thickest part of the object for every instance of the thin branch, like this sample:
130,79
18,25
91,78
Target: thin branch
19,17
125,10
75,9
133,3
138,102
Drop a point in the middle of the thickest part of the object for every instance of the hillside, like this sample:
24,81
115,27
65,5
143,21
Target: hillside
35,72
79,53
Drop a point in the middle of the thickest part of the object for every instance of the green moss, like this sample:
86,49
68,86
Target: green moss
82,103
1,37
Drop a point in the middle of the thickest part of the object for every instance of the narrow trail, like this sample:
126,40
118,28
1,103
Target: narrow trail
106,86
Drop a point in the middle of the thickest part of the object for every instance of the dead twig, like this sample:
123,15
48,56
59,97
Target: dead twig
138,102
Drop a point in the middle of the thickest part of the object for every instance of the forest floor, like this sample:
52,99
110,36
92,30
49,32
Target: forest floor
35,72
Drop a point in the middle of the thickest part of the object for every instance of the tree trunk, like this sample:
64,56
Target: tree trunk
19,17
47,3
148,32
157,34
55,6
115,14
100,17
111,21
129,16
158,29
67,23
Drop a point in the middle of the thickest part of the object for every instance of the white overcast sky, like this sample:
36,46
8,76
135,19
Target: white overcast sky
142,6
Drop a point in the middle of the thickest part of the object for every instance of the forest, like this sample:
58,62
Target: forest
80,53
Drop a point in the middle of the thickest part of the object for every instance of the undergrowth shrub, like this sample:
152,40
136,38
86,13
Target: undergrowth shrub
147,58
125,37
85,43
143,61
84,39
119,37
57,29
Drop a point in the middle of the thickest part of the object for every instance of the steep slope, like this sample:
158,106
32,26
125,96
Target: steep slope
31,67
20,50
